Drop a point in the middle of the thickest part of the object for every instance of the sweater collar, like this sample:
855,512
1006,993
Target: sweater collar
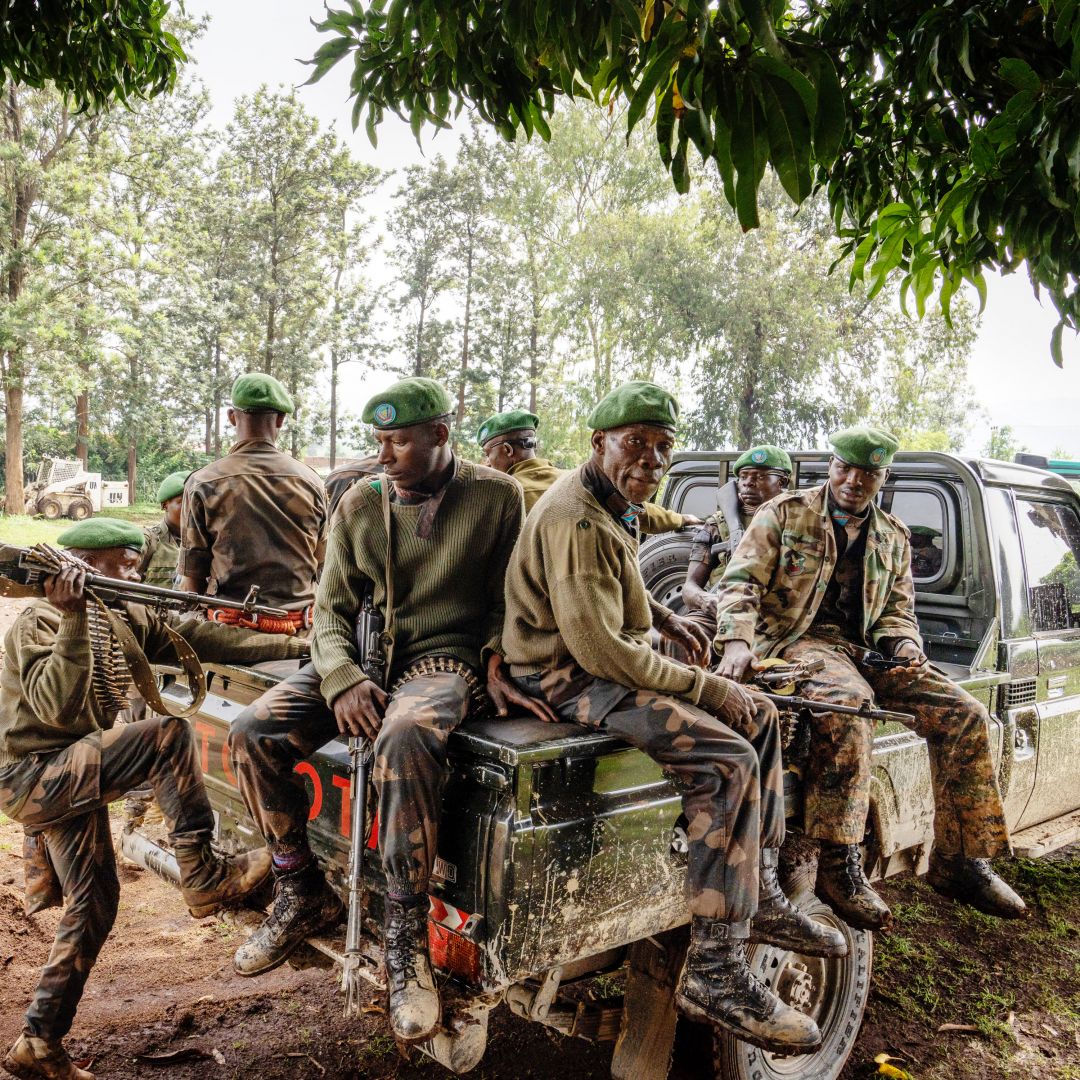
429,502
607,495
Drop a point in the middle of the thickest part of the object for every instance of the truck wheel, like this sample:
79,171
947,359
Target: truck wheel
833,992
663,560
80,509
50,509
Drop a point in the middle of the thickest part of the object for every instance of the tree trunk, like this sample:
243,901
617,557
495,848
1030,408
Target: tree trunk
13,445
82,426
294,427
746,417
534,333
271,329
217,396
418,360
333,406
465,338
132,466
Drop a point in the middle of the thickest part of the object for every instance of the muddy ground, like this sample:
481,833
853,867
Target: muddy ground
164,986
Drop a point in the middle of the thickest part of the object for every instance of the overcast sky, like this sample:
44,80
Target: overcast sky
250,42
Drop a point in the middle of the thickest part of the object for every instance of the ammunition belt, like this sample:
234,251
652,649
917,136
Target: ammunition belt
266,624
110,674
480,703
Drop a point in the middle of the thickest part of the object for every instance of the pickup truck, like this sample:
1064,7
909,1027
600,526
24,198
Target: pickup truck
562,850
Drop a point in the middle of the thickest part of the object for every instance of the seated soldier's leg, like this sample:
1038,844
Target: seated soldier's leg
718,773
409,774
969,820
80,850
836,783
267,740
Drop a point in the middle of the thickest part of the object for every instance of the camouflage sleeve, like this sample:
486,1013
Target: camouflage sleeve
54,669
195,541
748,576
150,543
897,618
222,644
513,518
704,538
659,519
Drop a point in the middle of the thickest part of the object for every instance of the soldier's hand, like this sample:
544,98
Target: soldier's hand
359,711
736,661
65,591
691,519
506,693
909,651
691,635
739,708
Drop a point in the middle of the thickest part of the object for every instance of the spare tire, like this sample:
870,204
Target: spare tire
663,560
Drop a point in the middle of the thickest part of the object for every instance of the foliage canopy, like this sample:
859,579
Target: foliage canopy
947,135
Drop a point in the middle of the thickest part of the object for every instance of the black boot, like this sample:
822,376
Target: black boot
842,884
779,922
415,1012
973,881
304,905
209,881
717,987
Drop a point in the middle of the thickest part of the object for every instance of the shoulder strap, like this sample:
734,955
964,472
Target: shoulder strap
388,573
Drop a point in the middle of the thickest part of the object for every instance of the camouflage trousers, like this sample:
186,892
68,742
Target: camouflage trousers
968,815
732,783
291,721
65,796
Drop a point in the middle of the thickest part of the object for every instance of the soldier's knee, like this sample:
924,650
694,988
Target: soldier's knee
402,736
174,734
241,731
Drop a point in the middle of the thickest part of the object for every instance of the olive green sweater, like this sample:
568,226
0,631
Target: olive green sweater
46,697
574,594
448,589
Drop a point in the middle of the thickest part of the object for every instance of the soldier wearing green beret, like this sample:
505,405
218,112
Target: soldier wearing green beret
452,526
161,548
760,475
63,760
578,622
508,440
926,556
255,517
825,574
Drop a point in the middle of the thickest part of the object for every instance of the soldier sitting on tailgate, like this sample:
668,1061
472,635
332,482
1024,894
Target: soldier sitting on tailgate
824,574
62,761
162,541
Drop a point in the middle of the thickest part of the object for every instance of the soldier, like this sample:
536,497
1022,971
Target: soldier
824,574
62,762
508,440
577,632
925,554
760,475
256,516
161,549
453,525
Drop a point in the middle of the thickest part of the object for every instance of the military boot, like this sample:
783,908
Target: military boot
842,884
973,881
32,1058
779,922
304,905
718,987
415,1011
209,881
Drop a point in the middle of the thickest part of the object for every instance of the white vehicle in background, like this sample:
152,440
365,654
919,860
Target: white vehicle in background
64,489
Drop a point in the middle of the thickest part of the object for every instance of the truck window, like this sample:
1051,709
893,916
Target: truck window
698,497
923,511
1050,534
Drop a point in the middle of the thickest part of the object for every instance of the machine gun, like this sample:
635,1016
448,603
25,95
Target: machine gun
23,572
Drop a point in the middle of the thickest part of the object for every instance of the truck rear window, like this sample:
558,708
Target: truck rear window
922,510
1050,535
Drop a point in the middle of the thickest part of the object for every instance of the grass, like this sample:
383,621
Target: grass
23,531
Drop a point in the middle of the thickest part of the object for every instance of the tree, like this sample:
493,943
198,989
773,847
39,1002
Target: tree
945,135
1003,445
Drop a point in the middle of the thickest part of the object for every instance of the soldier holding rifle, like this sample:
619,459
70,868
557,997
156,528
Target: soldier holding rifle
430,540
823,574
62,761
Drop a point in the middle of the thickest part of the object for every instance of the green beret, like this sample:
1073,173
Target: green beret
96,534
501,423
411,401
763,457
924,530
171,486
635,403
258,391
865,447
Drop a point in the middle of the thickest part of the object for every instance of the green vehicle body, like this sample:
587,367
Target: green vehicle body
560,847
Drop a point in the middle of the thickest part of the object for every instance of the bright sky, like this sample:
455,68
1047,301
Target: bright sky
250,42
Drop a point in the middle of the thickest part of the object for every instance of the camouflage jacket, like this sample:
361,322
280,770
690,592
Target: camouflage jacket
776,580
160,554
720,535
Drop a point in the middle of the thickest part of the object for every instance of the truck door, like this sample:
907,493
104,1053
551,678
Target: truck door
1050,537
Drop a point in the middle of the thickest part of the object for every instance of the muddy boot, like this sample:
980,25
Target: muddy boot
717,987
414,1001
779,922
304,905
842,884
32,1058
210,882
973,881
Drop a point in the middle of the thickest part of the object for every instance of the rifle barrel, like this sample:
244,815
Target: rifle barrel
865,709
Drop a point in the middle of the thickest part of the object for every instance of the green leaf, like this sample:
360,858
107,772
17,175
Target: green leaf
759,17
749,153
830,119
1055,344
655,74
1019,74
789,136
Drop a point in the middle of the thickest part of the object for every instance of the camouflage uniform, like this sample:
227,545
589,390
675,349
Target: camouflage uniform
783,595
160,555
62,763
255,517
715,541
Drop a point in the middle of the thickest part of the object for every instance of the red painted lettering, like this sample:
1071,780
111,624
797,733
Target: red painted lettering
226,765
343,785
203,731
305,768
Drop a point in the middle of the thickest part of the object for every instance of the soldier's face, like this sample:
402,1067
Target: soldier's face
122,563
852,488
412,455
500,455
635,458
172,513
756,486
